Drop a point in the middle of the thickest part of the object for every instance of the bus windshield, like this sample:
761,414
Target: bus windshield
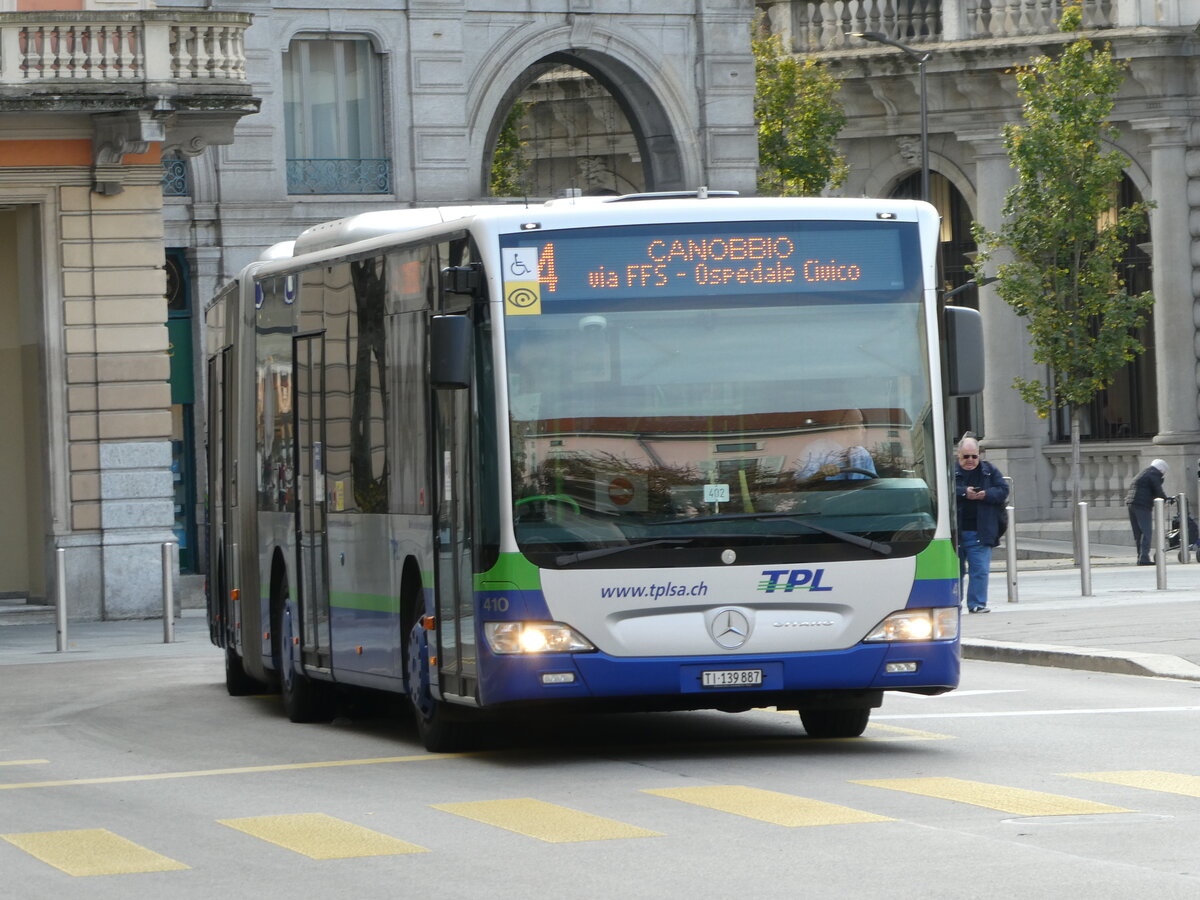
680,391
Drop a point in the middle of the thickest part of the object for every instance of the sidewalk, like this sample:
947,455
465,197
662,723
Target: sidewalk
1127,626
24,644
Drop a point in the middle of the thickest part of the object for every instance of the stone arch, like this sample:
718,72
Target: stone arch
656,113
884,177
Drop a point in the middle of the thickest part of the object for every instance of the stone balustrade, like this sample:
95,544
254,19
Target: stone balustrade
1106,469
119,48
809,26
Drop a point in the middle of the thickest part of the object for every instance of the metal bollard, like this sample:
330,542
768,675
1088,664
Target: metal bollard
1010,543
168,593
60,600
1085,553
1160,541
1185,533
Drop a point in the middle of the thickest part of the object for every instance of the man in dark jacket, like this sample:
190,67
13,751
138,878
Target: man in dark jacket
981,492
1143,491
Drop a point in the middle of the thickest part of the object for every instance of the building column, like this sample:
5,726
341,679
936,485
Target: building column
1173,281
118,397
1006,416
1175,176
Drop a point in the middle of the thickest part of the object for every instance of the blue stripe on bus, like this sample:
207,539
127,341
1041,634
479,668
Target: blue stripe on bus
933,592
597,675
512,606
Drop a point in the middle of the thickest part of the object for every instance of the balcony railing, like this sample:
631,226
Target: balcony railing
810,26
148,45
339,176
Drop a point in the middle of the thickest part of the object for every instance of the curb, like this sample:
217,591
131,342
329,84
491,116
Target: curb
1156,665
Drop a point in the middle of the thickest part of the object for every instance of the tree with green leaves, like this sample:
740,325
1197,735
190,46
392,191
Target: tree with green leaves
799,117
1063,232
508,161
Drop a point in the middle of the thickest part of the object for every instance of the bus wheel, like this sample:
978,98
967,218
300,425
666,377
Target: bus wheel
237,682
304,700
437,726
834,723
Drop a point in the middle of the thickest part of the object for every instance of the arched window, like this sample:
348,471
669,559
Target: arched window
566,133
1128,408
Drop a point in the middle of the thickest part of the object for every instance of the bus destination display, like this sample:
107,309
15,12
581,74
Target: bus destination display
640,262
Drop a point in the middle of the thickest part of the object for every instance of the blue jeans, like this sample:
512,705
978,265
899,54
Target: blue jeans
1140,520
975,560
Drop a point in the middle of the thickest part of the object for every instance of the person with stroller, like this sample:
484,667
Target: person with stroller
1143,491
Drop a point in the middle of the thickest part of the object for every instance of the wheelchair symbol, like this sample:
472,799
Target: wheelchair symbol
518,267
522,298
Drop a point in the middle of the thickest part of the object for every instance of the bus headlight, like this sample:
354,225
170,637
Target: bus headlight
940,624
534,637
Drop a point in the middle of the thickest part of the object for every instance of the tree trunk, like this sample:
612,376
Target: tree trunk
1076,491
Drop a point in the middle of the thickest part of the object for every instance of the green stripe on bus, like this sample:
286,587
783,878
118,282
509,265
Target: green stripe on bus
937,561
511,568
368,602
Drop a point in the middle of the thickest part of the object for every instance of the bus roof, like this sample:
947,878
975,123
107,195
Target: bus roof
363,226
587,211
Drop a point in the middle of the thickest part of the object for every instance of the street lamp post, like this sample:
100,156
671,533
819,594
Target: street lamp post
974,282
877,37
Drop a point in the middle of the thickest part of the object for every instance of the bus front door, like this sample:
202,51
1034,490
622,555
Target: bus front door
454,582
312,545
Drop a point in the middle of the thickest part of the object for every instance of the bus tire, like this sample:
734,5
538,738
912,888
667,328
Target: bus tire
834,723
304,700
440,731
237,682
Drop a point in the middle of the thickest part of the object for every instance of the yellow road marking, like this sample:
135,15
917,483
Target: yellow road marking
244,770
768,806
1150,780
1016,801
91,851
23,762
319,836
905,734
545,821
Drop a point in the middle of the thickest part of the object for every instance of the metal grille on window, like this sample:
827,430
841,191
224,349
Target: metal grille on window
175,181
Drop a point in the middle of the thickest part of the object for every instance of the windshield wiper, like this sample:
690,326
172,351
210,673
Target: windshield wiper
569,559
857,540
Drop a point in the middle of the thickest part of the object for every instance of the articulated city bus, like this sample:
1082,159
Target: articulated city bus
627,453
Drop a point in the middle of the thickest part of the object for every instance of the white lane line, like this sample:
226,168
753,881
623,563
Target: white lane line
1041,712
956,693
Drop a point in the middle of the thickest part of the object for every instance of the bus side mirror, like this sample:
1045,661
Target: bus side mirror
450,352
964,350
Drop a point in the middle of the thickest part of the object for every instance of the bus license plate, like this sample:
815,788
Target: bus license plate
732,678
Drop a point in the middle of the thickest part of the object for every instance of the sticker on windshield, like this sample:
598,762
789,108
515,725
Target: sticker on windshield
522,290
621,491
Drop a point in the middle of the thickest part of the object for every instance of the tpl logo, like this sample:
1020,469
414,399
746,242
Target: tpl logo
788,580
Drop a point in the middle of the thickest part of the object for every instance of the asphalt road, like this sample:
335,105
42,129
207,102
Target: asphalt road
137,776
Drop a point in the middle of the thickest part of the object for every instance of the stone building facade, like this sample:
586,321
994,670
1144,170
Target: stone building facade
970,94
91,96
